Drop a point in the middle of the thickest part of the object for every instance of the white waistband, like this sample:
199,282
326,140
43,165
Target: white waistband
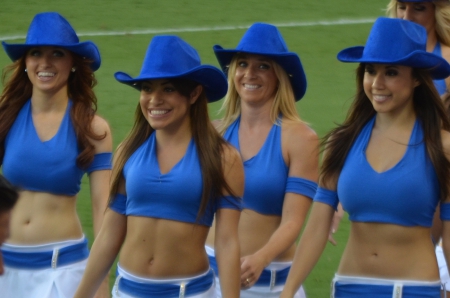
345,279
41,247
127,275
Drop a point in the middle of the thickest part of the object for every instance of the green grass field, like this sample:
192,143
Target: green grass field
316,30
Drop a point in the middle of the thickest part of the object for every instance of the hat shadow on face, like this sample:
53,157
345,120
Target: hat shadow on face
52,29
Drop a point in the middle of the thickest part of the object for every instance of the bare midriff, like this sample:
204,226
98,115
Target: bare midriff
389,251
160,248
39,218
255,230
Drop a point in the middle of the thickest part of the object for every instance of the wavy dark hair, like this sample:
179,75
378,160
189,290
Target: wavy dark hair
209,144
429,109
18,89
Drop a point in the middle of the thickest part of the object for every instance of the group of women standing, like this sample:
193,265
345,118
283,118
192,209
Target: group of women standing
194,208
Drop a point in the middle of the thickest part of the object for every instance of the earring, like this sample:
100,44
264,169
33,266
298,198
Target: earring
25,70
73,69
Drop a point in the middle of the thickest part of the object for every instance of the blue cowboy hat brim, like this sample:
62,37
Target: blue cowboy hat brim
212,79
437,66
290,62
86,49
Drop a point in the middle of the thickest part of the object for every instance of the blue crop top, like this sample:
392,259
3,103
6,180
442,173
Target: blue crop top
49,166
175,195
266,174
441,86
407,194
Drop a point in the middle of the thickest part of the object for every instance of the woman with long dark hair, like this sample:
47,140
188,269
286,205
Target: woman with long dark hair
388,164
171,175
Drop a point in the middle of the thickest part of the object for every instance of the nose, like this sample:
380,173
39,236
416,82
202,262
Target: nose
378,81
408,13
45,60
155,97
250,72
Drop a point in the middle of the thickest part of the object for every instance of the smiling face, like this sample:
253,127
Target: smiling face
48,69
255,79
164,107
390,88
422,13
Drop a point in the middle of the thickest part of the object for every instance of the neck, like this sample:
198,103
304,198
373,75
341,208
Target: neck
45,102
166,138
256,115
385,121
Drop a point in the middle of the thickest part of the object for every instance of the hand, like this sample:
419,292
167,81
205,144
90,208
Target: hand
335,224
251,268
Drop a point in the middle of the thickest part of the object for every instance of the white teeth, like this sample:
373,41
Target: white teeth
380,97
248,86
46,74
159,112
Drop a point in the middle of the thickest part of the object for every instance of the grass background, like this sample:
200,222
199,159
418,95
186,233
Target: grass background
330,83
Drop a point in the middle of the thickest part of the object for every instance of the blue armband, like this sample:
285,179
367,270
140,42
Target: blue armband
327,196
119,203
230,202
102,161
301,186
445,211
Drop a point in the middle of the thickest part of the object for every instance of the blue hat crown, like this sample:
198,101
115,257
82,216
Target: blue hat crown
182,58
52,29
169,57
264,39
386,35
398,42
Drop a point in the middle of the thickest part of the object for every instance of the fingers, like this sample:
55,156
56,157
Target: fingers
247,283
331,239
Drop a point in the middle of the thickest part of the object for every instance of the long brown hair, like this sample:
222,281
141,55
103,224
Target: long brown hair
18,89
429,110
209,144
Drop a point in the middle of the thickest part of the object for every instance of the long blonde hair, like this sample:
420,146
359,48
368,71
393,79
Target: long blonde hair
284,99
442,15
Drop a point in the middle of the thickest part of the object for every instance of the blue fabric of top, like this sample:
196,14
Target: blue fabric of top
266,174
48,166
407,194
175,195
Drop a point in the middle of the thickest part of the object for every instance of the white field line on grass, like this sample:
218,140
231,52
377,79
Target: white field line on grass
218,28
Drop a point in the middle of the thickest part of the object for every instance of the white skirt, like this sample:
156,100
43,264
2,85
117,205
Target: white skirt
443,271
59,282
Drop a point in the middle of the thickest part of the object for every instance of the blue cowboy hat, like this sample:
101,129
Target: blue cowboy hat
400,42
266,40
170,57
51,29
